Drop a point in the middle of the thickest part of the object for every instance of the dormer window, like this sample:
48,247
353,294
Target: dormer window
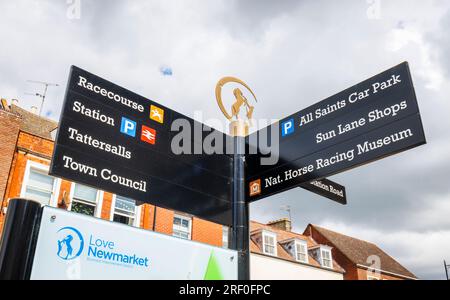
301,251
326,259
322,254
297,248
266,241
269,243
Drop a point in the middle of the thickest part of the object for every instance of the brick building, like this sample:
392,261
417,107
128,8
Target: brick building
279,253
276,252
361,260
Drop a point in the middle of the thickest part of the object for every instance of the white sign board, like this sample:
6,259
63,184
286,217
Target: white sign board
75,246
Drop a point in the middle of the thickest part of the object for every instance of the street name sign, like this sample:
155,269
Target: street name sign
120,142
328,189
374,119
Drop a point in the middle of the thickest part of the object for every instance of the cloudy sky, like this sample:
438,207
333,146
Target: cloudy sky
293,54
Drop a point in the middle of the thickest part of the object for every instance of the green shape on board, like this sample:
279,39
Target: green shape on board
213,269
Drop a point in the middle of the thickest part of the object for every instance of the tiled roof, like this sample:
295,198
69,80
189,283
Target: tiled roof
283,236
358,251
33,123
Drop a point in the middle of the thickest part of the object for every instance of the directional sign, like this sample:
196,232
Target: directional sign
327,189
369,121
120,142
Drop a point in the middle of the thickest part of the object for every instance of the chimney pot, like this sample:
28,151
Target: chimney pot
34,110
283,224
15,102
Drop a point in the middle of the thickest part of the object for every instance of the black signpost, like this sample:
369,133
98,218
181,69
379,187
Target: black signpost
116,140
369,121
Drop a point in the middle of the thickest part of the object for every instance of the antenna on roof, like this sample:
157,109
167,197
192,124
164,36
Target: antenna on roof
44,94
287,208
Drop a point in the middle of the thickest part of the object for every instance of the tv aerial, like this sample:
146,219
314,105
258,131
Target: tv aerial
41,95
287,208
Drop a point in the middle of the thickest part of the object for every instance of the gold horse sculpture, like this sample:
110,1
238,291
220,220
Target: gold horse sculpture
240,99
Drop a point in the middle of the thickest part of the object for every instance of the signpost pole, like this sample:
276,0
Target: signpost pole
240,207
19,237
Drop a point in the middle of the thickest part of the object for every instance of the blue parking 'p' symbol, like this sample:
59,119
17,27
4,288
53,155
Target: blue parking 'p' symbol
287,128
128,127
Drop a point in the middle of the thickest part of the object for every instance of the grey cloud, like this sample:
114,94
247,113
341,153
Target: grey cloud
441,40
249,19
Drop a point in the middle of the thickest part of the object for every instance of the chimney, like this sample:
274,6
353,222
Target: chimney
283,224
15,102
34,110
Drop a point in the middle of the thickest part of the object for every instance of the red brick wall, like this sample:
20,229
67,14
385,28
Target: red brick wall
147,216
351,271
18,172
35,144
19,162
9,131
206,232
362,275
164,221
20,158
106,206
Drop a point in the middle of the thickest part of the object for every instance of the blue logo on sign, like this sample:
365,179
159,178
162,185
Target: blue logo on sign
287,128
128,127
70,243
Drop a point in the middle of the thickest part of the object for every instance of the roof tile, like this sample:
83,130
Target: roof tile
35,124
358,251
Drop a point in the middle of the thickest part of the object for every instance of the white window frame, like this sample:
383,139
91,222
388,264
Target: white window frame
98,200
303,244
189,219
40,168
137,212
328,250
272,235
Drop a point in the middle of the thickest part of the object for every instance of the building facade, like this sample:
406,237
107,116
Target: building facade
277,253
361,260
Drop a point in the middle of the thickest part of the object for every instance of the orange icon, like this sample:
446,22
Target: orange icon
148,135
255,188
157,114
